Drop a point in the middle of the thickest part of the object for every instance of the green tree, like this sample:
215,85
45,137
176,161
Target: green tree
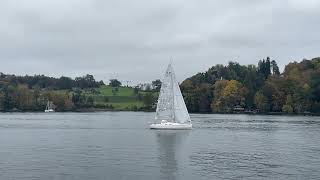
36,96
156,85
9,98
24,97
68,104
90,101
2,99
149,101
288,107
114,83
275,68
65,82
268,67
261,102
78,98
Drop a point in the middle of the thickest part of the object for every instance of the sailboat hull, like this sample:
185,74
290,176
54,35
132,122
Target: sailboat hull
173,126
48,110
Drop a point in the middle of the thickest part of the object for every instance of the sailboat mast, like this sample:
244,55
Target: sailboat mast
172,90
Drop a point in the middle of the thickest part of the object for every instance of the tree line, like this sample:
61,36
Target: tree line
222,89
45,82
31,93
261,88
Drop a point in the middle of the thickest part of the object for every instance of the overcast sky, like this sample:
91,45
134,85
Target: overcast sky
134,39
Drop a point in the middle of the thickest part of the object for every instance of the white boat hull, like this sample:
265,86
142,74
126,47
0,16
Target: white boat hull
170,125
48,110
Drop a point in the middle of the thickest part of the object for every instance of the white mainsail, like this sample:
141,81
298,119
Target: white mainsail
171,106
49,107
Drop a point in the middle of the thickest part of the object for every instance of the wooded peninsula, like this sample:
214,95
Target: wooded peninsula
231,88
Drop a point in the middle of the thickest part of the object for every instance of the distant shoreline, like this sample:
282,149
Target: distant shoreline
88,110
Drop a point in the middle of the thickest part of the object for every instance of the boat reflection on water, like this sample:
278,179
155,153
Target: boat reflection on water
171,143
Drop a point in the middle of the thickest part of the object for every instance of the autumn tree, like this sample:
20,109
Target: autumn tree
261,102
227,95
24,97
287,108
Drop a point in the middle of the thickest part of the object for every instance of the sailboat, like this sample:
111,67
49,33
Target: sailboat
171,111
49,107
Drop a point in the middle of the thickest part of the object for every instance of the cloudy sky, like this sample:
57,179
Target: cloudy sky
133,40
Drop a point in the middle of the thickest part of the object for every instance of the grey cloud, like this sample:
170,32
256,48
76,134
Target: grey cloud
134,40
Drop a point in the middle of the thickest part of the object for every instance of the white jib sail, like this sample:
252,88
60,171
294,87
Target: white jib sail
171,106
181,114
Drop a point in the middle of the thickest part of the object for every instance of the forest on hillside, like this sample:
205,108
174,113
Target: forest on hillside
250,88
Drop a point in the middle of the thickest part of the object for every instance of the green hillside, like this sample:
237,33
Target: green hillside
118,98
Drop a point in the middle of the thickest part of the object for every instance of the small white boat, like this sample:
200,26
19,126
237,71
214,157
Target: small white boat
49,110
49,107
171,111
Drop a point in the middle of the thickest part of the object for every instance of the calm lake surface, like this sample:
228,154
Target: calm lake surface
119,145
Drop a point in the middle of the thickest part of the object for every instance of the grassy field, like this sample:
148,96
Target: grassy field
115,98
120,98
118,91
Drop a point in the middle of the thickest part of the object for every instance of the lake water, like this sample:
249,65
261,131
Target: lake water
119,145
